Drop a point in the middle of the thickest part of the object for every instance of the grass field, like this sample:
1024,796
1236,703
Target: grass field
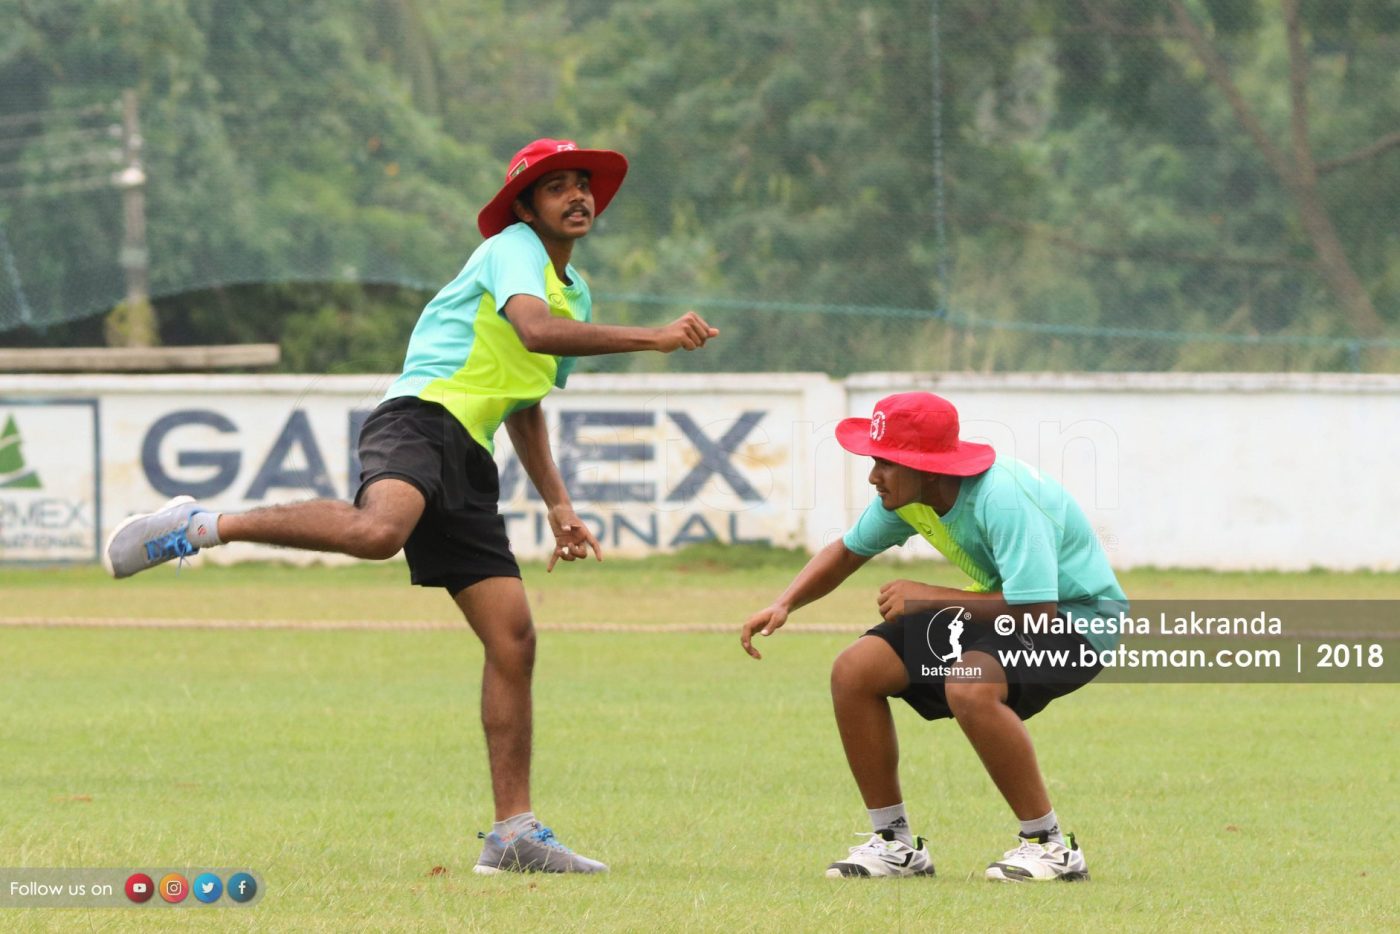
347,769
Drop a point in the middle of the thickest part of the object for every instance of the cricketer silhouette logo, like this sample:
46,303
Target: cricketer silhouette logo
944,634
15,474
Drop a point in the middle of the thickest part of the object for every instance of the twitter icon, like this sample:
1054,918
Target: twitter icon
208,888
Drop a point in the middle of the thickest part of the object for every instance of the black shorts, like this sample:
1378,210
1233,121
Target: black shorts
1029,687
461,538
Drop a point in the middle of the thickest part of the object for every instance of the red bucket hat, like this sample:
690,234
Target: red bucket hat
605,169
919,430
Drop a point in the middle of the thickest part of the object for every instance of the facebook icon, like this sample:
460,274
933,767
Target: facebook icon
242,887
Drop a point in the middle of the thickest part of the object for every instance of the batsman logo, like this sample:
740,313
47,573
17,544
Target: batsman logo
14,473
944,633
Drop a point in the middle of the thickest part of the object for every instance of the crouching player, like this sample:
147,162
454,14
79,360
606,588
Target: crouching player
1031,554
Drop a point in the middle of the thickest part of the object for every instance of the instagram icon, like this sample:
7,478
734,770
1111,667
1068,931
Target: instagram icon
174,887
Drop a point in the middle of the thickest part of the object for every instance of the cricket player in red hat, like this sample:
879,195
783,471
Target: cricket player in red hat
965,654
486,350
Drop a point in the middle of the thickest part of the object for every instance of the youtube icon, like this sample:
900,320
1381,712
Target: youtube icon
140,887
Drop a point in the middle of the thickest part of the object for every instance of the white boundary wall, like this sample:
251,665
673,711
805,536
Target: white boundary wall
1228,471
1223,471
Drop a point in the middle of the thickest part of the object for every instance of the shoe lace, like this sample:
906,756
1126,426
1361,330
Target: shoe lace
173,544
545,837
876,843
1029,849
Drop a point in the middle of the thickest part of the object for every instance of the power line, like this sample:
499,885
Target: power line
93,157
964,319
35,116
63,137
49,189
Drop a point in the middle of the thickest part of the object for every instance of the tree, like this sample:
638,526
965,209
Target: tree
783,153
1151,46
1112,176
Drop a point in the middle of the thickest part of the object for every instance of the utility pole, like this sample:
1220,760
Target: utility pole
133,322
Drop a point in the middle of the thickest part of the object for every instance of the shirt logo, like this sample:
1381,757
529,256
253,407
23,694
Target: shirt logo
877,425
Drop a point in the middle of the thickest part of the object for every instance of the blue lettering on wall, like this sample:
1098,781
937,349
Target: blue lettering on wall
736,539
511,476
695,528
573,452
649,536
686,537
715,457
225,464
274,472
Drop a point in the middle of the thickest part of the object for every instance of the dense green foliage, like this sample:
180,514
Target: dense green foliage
1060,184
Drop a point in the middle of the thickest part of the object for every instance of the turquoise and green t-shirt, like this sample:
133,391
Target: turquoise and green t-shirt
1011,530
464,354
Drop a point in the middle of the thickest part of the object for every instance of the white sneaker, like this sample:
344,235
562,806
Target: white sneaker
884,855
1040,860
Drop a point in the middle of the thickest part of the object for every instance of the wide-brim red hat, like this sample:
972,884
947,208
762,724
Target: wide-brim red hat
606,170
918,430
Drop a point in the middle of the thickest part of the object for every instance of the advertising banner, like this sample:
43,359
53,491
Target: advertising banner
49,468
651,463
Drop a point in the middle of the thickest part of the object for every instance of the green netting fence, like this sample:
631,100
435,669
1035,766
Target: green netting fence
943,184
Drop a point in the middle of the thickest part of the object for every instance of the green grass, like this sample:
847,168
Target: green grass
346,766
703,584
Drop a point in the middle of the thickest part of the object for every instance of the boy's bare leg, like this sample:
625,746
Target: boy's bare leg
863,678
376,528
1004,745
499,615
997,734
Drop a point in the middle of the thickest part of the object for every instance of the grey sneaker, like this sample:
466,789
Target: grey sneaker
535,850
152,538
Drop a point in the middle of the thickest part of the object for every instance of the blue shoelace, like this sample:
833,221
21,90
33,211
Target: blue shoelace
173,544
546,837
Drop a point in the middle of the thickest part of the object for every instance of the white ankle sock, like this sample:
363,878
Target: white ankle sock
514,826
204,530
893,819
1048,826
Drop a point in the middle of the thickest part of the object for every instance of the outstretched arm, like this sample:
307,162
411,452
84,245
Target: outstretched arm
543,332
827,569
529,434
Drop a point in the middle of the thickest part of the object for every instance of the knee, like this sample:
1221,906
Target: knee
513,651
969,699
851,674
378,540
